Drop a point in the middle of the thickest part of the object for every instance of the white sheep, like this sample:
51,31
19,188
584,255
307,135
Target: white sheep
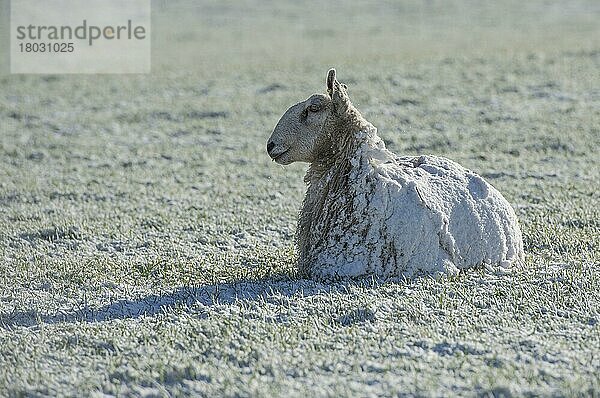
368,211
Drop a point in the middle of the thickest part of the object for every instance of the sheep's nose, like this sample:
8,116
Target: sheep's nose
270,147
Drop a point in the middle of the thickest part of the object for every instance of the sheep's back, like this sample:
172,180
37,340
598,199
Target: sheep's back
396,216
476,224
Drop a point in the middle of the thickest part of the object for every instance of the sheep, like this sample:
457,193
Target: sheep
368,211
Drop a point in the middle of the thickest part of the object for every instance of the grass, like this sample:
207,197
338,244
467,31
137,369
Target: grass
147,240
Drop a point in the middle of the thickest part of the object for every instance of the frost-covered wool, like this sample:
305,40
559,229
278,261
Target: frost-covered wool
369,211
395,216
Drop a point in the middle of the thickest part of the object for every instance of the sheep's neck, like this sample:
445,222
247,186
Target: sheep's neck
345,134
328,174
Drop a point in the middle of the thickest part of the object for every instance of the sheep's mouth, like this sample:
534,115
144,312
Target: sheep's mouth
279,155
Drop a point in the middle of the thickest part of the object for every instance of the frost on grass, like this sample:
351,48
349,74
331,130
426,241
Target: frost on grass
368,211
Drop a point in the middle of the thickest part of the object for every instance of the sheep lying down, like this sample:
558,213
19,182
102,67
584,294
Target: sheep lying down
368,211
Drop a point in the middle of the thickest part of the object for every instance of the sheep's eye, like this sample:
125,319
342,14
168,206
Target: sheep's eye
314,108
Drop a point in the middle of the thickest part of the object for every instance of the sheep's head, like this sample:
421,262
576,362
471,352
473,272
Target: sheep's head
304,130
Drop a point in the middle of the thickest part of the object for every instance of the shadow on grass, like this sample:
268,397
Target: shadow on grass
209,296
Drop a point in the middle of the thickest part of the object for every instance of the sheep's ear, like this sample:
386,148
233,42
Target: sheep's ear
337,92
330,81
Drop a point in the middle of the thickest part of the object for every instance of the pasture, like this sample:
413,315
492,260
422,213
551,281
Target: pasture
146,238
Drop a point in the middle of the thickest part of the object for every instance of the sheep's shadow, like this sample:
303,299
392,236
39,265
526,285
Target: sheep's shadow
149,305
